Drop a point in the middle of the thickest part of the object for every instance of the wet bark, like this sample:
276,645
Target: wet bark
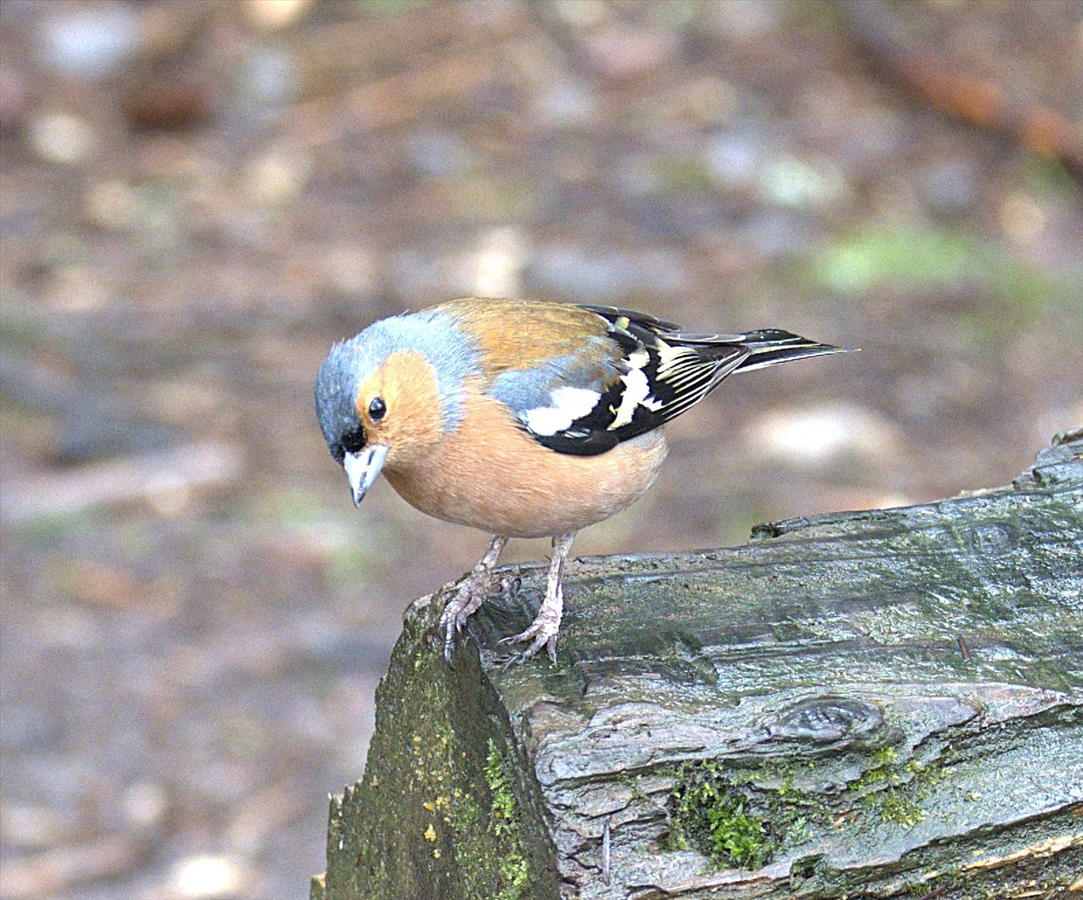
863,704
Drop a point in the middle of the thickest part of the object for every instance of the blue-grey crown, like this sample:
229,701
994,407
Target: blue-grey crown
431,333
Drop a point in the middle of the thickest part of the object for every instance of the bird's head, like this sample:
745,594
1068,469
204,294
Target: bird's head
385,397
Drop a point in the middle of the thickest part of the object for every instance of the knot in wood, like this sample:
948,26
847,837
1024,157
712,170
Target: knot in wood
827,718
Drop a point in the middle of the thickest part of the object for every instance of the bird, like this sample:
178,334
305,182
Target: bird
522,418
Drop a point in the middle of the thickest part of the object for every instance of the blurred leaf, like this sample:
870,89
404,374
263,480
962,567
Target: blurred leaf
913,260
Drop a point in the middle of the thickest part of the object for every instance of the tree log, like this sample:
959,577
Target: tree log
866,704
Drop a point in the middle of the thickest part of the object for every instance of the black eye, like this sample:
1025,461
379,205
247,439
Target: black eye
354,441
377,409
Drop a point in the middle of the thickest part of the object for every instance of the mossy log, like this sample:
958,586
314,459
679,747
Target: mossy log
879,703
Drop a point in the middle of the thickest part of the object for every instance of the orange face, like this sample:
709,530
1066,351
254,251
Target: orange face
399,407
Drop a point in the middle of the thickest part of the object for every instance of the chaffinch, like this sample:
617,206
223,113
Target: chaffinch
523,418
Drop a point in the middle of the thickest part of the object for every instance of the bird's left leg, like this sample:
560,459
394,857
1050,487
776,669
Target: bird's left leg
543,630
469,597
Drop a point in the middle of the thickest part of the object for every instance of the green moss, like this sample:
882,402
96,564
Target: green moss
440,811
883,758
743,816
514,868
735,835
711,813
896,807
892,791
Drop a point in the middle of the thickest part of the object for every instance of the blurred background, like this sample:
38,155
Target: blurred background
199,197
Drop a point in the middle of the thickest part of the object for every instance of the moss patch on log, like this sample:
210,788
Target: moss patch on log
711,814
439,810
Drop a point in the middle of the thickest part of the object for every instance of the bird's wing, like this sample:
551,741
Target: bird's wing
632,376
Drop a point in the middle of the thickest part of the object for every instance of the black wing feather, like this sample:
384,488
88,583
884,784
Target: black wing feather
680,368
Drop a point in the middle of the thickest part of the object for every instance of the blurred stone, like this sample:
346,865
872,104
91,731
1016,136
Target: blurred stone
776,232
438,154
581,13
27,825
636,175
349,269
789,180
207,877
709,99
587,276
498,263
257,818
52,872
111,204
71,628
565,101
62,137
77,287
144,803
273,15
154,477
871,136
91,41
816,435
746,19
621,51
267,79
1022,219
168,30
98,583
734,157
157,220
278,176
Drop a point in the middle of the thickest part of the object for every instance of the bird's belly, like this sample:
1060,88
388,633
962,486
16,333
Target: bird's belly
522,489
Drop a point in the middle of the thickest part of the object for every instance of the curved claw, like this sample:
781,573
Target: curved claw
456,612
449,643
468,598
538,636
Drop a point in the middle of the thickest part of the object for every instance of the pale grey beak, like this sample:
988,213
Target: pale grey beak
363,468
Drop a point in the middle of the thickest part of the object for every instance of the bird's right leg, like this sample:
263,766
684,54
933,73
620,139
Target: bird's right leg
469,597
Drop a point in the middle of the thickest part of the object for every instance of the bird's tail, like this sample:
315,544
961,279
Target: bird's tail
772,346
